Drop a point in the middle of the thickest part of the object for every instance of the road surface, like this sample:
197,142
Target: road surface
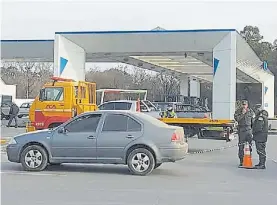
208,178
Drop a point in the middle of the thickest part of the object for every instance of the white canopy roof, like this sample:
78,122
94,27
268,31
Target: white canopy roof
178,51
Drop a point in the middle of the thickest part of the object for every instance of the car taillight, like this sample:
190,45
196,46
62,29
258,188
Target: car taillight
138,105
175,137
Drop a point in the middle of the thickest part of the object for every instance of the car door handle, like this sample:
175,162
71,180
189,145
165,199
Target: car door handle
130,136
91,137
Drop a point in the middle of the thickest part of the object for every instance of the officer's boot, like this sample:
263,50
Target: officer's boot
260,166
241,163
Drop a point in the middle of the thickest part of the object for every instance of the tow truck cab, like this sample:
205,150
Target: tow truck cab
60,100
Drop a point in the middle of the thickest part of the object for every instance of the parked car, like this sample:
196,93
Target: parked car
145,106
24,109
110,137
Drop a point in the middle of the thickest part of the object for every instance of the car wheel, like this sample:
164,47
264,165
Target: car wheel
141,162
19,116
34,158
157,165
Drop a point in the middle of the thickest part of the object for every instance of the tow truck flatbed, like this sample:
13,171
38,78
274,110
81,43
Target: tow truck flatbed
198,121
198,126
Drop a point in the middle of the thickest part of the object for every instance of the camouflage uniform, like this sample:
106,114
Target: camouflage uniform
260,134
245,122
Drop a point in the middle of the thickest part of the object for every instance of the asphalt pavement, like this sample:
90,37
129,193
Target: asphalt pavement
206,178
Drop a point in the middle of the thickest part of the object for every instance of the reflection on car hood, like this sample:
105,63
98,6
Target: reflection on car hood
33,133
155,114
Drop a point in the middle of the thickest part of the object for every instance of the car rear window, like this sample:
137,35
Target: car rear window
116,106
106,106
122,106
151,119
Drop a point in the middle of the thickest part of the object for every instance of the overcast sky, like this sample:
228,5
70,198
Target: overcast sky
39,20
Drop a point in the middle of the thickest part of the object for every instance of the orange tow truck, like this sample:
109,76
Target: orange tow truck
60,100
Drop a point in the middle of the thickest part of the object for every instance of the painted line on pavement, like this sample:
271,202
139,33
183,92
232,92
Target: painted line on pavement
212,150
31,173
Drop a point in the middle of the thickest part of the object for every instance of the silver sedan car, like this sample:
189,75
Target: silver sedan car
109,137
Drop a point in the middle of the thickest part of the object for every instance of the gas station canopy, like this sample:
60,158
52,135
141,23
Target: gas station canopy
193,51
220,56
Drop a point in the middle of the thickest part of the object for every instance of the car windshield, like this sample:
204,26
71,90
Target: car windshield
151,119
24,105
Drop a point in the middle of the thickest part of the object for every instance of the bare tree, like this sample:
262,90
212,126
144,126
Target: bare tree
28,76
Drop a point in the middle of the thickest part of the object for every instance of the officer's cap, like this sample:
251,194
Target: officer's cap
169,108
265,113
244,102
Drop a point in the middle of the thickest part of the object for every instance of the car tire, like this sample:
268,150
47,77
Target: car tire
20,116
34,158
157,165
140,162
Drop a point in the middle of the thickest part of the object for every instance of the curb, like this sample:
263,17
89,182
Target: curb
212,150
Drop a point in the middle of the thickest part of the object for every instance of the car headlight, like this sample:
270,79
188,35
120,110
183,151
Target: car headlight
12,141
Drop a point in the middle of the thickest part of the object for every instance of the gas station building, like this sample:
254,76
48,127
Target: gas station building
220,56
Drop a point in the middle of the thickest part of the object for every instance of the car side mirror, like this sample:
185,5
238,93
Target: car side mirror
61,130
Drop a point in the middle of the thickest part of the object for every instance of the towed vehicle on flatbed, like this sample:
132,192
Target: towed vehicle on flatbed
185,110
205,128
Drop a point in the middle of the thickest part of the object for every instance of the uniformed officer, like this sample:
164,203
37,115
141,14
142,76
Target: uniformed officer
260,134
245,117
169,113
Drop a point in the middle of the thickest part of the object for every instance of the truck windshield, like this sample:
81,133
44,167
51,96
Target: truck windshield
52,94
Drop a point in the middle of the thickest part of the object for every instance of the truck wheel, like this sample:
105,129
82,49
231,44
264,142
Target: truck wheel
141,162
34,158
53,125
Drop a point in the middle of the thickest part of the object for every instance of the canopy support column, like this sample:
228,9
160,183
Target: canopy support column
69,59
224,77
